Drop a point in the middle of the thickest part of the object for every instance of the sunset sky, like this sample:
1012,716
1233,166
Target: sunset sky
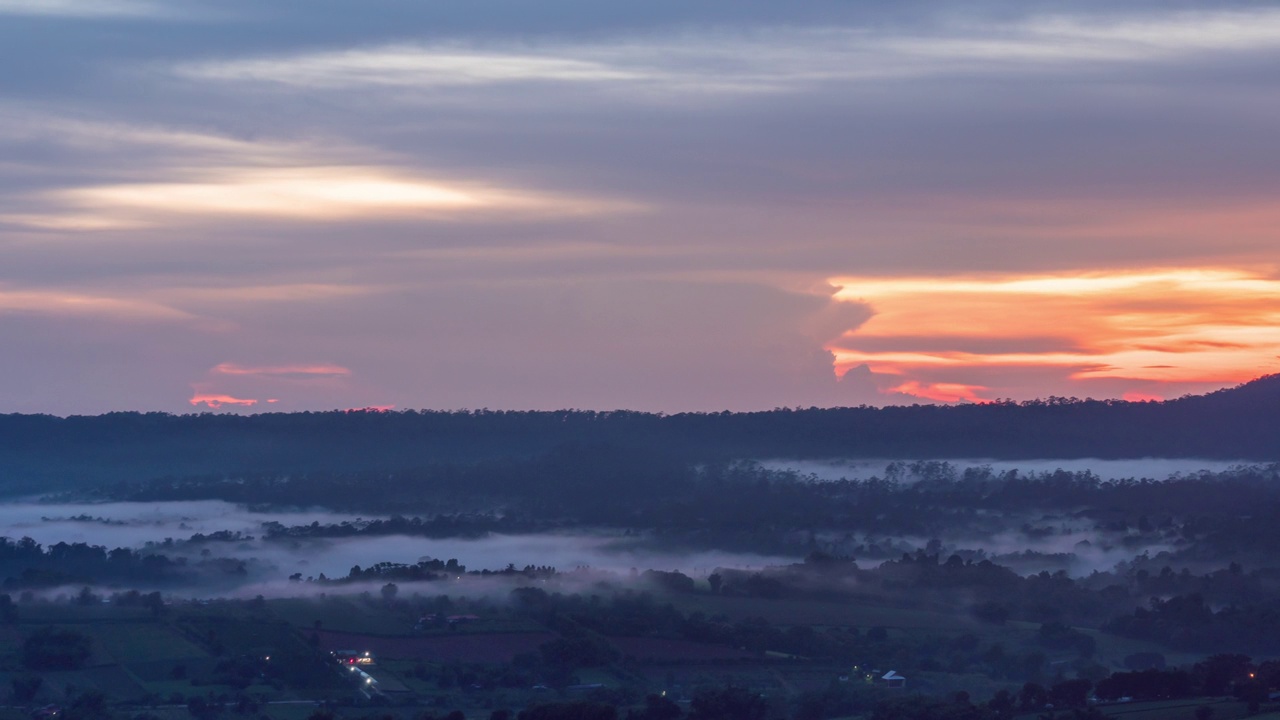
261,205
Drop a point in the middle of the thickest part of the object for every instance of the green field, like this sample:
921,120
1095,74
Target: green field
819,612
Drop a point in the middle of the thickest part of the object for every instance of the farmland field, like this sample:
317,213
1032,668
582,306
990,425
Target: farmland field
489,648
123,642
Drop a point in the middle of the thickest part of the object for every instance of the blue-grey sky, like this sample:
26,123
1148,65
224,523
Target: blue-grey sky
662,205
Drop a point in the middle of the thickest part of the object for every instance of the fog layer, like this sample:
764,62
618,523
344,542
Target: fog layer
1150,468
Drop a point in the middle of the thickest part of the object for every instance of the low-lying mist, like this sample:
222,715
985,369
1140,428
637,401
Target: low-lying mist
168,528
132,524
864,469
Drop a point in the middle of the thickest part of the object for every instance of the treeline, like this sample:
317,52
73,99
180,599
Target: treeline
1206,518
36,450
26,564
1187,622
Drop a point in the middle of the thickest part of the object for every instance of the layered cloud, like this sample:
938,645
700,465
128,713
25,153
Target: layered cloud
216,402
1163,326
207,177
224,382
69,303
585,204
780,59
295,371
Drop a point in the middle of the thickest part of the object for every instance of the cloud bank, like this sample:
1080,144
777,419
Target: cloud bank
602,206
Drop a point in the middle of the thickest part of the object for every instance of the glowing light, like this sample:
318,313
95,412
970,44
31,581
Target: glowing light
324,192
310,193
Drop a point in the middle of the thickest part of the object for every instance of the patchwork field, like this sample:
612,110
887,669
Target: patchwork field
475,648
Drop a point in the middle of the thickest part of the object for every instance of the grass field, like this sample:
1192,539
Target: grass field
819,612
127,642
356,615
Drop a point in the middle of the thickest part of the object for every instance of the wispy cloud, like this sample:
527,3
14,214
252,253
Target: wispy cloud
942,392
192,177
69,303
778,60
398,65
320,370
282,292
229,384
216,401
82,8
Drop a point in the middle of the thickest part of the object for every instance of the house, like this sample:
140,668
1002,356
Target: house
892,679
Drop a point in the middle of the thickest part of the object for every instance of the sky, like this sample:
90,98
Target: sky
247,206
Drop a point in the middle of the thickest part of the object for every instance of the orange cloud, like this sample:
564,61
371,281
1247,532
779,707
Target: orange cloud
1179,325
225,382
217,401
1136,396
942,392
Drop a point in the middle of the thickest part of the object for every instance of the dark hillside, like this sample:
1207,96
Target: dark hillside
40,452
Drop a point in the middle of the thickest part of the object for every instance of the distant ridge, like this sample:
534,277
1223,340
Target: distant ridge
1259,391
40,452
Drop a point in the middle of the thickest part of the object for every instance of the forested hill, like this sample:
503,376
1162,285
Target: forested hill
38,451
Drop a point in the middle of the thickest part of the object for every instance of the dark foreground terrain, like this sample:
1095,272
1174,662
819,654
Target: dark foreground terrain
399,565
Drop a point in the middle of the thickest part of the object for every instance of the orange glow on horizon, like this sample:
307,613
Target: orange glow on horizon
942,392
218,401
1218,326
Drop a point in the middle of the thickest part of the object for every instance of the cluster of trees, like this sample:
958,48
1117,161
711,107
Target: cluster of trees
26,564
1194,521
984,591
740,504
52,648
444,525
1187,622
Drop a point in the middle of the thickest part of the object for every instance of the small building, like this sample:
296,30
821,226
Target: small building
352,657
893,680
